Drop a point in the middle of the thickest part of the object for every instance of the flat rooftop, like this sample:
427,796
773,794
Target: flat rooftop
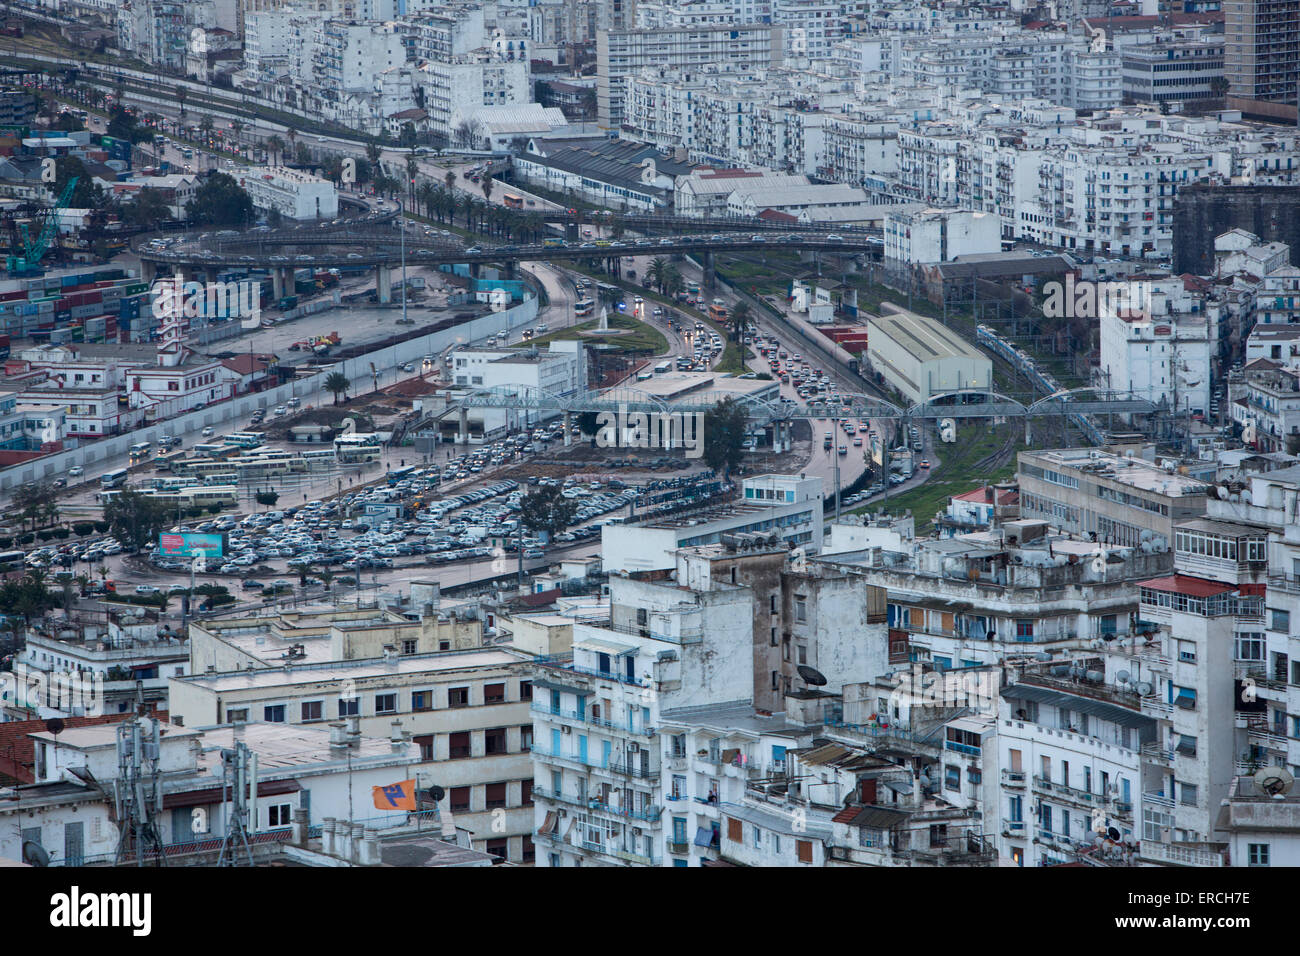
675,385
1134,472
733,716
358,670
284,746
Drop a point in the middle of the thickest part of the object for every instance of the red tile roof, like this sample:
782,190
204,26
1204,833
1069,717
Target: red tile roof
978,495
1187,585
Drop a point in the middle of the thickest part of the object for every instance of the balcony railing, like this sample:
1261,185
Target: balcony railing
1156,798
648,814
631,769
1013,827
564,664
1179,855
679,848
585,718
1153,751
1043,785
1015,779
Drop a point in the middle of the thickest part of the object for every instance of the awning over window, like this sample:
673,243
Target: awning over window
210,795
548,825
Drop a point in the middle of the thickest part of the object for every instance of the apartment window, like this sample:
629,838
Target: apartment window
237,715
803,654
1187,652
804,851
771,603
274,714
525,690
496,795
774,641
800,609
679,745
385,703
409,647
494,741
458,697
312,710
1280,620
444,645
1258,854
526,738
494,693
1187,794
951,777
1024,629
349,706
421,700
458,745
1250,646
757,837
278,814
499,848
1186,745
525,793
425,743
776,680
785,649
459,798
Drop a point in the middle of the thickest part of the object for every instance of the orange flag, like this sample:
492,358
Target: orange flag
395,796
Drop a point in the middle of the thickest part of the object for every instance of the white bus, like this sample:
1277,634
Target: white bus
113,479
663,368
353,449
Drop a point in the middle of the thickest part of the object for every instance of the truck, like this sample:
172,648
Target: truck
4,346
289,302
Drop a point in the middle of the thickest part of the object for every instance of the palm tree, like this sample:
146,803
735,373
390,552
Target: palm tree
181,93
450,180
425,197
236,127
487,184
673,281
412,167
275,146
373,152
656,272
739,318
205,126
293,138
337,383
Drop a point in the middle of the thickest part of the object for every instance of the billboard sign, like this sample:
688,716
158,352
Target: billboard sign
190,544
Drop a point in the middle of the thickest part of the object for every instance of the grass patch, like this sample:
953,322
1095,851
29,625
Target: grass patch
960,472
637,337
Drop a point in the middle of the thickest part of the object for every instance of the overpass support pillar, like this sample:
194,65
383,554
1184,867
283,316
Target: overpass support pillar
277,284
384,283
475,270
463,435
710,278
210,273
148,271
512,269
571,232
568,421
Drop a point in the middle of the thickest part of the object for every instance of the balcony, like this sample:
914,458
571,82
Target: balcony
1153,707
1013,827
649,814
1043,785
1013,779
589,721
1154,753
567,665
680,849
632,769
1156,798
1177,854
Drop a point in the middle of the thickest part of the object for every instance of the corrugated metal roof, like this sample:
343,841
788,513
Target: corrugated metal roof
1097,708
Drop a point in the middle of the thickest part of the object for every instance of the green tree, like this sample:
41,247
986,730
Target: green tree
135,519
86,194
36,500
487,183
724,434
275,146
220,201
655,273
149,207
406,138
181,94
337,383
546,509
588,423
27,597
268,498
450,180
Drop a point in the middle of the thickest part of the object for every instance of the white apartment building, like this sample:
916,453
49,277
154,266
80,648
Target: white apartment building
293,193
603,771
1156,343
741,48
454,89
925,236
784,506
466,711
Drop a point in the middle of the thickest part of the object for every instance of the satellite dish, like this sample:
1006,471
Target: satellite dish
1122,677
436,793
811,676
55,725
1112,833
34,854
1275,781
1043,656
1144,688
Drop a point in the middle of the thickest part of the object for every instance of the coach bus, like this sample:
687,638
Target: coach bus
112,479
584,307
512,201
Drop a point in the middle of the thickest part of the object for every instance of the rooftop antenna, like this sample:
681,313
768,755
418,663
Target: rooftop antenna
137,791
234,778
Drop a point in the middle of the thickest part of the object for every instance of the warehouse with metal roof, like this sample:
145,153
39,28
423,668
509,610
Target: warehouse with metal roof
922,358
